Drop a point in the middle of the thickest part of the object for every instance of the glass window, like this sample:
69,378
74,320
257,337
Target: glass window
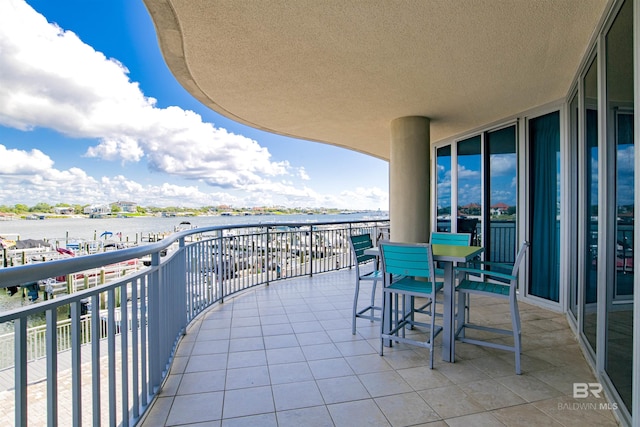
443,166
589,309
470,187
619,321
500,243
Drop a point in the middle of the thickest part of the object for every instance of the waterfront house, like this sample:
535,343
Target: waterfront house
129,207
63,210
540,92
97,210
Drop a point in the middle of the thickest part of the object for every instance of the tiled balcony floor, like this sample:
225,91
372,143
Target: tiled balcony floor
284,355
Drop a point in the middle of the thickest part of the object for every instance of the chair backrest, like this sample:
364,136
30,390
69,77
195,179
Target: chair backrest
359,244
458,239
407,259
519,258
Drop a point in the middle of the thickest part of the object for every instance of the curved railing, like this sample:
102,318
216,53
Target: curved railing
138,319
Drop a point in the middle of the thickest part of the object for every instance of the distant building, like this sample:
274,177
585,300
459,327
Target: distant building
97,209
499,209
63,210
131,207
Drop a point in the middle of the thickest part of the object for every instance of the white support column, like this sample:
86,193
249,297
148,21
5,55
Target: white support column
409,179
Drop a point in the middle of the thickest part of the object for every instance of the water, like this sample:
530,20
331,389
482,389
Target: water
59,229
134,229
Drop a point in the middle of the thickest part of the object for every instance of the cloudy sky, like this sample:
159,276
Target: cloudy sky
89,113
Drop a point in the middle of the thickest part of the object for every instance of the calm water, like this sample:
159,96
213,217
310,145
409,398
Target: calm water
133,229
89,229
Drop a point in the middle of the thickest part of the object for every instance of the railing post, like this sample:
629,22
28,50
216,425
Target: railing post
311,252
76,365
52,367
155,362
219,273
20,343
267,264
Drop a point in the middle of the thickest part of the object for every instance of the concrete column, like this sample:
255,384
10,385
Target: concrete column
409,180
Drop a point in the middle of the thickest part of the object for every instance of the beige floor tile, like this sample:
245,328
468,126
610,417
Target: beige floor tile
330,368
491,394
250,376
196,408
247,401
450,401
342,389
316,416
482,419
422,378
290,372
385,383
305,368
368,363
406,409
201,382
296,395
262,420
364,413
529,388
524,416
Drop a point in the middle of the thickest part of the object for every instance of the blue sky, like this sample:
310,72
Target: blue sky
89,113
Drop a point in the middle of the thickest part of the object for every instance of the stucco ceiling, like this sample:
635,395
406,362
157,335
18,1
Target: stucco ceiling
340,71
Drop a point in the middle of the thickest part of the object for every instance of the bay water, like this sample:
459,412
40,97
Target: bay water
134,229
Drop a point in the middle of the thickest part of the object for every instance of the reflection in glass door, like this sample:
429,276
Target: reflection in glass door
443,191
470,188
620,146
500,190
590,207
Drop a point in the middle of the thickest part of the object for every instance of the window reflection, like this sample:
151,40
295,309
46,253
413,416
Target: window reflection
590,170
619,321
443,166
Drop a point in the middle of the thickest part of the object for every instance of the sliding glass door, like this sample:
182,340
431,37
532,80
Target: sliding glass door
620,150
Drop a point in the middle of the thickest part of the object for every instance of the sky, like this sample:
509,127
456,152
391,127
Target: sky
90,114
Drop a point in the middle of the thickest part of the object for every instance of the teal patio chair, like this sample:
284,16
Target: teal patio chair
457,239
408,272
460,239
497,280
359,244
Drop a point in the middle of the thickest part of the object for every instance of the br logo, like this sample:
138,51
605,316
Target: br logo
582,390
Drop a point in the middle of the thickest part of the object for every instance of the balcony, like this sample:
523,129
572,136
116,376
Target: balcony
252,327
284,355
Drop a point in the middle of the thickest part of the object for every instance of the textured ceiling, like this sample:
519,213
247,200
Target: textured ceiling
340,71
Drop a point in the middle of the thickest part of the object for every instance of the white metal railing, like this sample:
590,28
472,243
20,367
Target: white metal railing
143,314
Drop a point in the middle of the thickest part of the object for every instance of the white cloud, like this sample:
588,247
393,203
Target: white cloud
302,173
51,79
30,177
503,164
464,173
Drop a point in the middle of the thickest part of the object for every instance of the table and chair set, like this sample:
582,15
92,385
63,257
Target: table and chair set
417,278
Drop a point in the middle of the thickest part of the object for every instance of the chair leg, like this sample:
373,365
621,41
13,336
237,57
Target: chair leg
432,332
461,315
515,324
355,307
382,320
373,299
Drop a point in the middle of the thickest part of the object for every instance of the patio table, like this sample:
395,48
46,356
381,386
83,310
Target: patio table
447,255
